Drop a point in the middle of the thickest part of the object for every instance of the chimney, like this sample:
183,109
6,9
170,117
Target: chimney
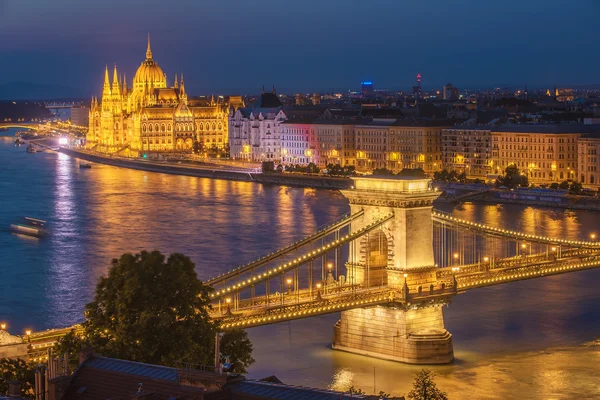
141,394
85,354
14,389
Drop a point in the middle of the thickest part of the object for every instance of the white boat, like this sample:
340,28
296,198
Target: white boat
30,227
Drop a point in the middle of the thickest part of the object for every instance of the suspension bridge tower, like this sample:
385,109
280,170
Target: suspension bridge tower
398,255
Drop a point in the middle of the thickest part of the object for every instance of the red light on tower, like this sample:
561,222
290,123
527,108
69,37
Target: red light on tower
419,79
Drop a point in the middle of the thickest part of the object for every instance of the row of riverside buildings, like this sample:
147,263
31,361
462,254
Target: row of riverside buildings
546,153
150,116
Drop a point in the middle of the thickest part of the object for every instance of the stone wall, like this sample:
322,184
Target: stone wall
414,336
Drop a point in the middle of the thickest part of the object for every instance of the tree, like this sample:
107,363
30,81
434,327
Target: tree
412,172
17,370
70,344
196,147
153,311
382,172
236,345
512,178
576,188
424,387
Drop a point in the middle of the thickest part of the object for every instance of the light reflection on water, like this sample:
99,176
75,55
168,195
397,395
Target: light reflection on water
524,340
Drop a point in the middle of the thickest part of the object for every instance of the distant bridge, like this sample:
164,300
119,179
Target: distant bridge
23,125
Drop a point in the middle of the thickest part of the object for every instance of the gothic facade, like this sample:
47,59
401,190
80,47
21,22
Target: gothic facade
149,116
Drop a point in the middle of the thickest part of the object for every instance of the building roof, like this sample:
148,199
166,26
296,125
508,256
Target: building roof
275,391
424,122
268,100
548,128
101,378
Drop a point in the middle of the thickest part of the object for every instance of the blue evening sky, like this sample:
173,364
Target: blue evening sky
237,46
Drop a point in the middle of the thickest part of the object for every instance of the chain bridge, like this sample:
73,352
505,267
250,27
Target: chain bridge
388,267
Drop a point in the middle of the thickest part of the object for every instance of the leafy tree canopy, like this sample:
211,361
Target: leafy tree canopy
154,309
17,370
424,387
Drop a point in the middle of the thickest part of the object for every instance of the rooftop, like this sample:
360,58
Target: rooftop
548,128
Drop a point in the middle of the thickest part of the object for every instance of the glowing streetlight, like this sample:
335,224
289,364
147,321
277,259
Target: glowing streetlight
593,236
553,248
3,326
523,246
486,259
329,266
289,283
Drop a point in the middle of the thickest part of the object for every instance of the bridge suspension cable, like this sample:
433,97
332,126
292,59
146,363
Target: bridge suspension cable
441,217
325,231
305,258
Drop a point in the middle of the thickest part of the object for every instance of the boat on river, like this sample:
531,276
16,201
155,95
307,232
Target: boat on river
85,165
30,227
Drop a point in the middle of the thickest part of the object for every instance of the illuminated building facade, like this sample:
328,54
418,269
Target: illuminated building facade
468,148
372,144
298,142
336,141
254,131
588,154
545,153
149,116
416,144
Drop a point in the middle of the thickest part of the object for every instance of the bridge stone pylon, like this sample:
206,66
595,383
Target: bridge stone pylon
399,255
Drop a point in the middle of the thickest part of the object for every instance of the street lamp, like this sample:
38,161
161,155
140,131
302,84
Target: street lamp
486,259
289,283
3,326
593,237
28,334
455,256
319,291
228,301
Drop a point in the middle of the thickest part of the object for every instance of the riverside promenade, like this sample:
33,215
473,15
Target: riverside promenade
214,171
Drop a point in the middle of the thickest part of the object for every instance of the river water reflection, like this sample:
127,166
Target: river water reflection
532,339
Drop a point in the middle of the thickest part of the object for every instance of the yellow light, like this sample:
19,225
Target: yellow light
523,246
329,266
289,281
318,286
405,275
28,332
3,326
486,259
455,256
228,300
593,236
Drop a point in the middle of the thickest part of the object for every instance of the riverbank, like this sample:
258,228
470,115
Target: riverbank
462,193
213,173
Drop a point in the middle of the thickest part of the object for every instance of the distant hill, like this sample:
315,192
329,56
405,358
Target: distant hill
36,91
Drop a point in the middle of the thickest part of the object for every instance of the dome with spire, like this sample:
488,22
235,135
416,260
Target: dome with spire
149,72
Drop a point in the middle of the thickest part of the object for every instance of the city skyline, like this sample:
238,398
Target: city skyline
301,47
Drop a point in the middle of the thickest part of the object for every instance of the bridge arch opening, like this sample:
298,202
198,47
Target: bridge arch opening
376,262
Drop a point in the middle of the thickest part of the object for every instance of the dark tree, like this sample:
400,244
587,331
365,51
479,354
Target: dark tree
512,178
17,370
236,345
575,188
151,311
196,147
382,172
412,172
70,344
424,388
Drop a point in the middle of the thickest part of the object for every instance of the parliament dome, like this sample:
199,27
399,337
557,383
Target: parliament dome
149,72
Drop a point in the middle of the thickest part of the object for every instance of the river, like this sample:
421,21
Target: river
527,340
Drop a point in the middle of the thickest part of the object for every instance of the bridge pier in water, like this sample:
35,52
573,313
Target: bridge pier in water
398,255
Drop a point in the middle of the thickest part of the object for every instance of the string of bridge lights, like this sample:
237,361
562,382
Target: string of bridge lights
346,218
300,260
531,274
508,232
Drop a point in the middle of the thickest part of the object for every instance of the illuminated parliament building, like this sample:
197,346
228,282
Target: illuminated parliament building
149,116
